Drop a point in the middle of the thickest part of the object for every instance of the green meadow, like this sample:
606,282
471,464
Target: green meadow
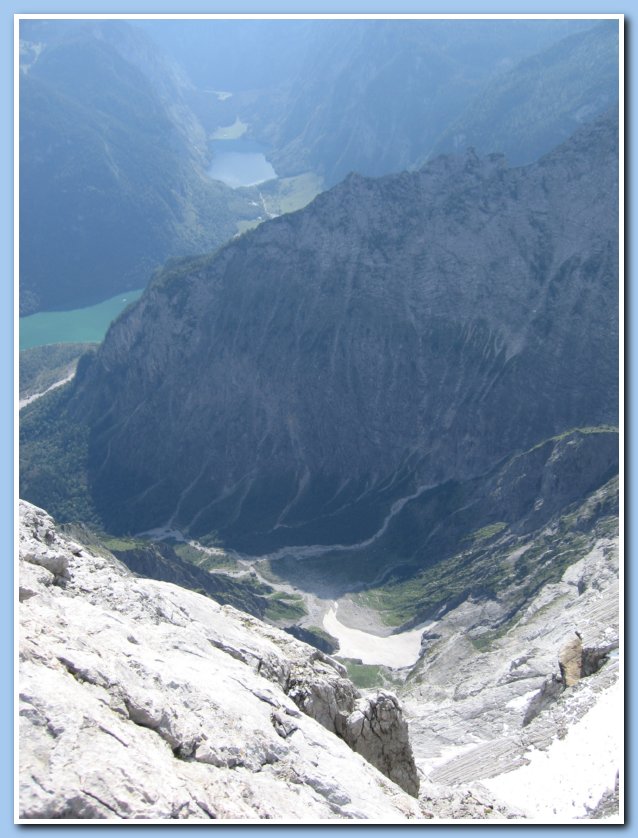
81,325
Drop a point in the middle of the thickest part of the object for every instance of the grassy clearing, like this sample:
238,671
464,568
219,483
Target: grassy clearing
368,676
486,569
282,606
486,533
113,543
283,195
207,561
230,132
291,193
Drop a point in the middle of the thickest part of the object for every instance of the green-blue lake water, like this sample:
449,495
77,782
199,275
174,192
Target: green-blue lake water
240,162
81,325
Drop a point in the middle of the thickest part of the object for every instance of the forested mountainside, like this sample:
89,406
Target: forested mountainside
396,336
112,178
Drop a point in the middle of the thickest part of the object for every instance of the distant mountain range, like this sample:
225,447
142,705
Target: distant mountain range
387,423
114,135
382,96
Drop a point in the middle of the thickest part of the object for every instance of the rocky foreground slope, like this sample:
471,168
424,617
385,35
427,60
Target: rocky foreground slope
139,699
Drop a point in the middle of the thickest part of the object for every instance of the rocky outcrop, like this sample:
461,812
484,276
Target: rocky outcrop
377,731
575,662
594,657
142,700
570,660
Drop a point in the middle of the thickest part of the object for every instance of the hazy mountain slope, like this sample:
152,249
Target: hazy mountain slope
336,96
110,177
377,95
542,100
236,55
395,335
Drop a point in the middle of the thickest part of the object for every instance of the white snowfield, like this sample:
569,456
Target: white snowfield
571,776
396,650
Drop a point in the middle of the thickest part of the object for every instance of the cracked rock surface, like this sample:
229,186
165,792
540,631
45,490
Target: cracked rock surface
377,731
142,700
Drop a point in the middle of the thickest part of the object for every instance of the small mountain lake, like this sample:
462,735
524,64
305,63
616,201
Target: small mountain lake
80,325
240,162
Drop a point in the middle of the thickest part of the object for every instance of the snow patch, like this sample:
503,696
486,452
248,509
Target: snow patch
396,650
521,701
568,779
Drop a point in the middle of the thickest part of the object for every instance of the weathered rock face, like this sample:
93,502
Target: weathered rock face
570,661
377,731
142,700
396,334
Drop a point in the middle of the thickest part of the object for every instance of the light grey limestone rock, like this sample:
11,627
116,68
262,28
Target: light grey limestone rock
467,801
140,700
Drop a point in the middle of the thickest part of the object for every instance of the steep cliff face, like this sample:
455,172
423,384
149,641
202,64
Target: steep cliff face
139,699
396,334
